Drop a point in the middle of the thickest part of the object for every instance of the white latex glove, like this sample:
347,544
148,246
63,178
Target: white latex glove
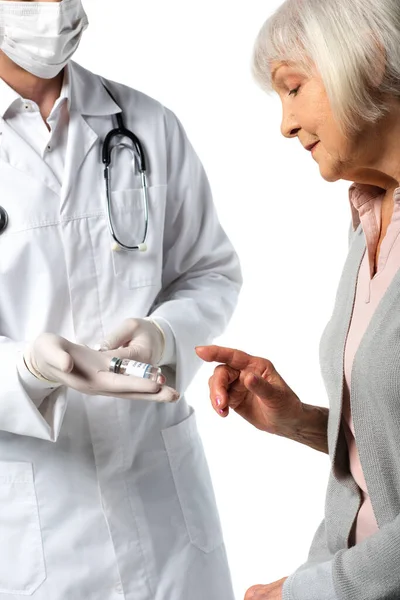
55,359
143,340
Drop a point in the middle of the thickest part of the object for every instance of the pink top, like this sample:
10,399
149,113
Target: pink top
366,202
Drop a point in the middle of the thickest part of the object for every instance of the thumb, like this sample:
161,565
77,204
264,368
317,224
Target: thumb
119,337
56,355
260,387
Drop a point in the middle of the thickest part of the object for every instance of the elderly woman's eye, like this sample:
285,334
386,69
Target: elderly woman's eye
294,92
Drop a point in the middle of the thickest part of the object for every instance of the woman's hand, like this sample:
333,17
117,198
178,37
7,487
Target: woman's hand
273,591
251,387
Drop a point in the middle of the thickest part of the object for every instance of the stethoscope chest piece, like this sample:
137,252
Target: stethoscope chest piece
3,219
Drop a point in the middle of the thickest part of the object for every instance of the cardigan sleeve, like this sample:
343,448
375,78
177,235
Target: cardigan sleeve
369,570
314,583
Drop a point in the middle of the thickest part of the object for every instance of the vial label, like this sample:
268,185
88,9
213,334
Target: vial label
137,369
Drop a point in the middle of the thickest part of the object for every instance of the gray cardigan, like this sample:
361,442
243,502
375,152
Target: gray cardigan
370,570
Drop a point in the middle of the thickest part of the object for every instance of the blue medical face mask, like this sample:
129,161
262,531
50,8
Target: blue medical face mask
41,37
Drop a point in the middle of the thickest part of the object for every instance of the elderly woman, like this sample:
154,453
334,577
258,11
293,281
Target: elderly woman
335,65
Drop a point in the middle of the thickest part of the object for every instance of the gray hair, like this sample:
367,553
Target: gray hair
353,44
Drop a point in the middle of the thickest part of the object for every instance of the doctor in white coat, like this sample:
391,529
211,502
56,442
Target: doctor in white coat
104,488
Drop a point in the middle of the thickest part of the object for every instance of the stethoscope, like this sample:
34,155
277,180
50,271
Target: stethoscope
3,219
119,131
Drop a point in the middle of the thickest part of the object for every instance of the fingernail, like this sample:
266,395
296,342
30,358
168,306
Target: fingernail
218,401
221,412
255,379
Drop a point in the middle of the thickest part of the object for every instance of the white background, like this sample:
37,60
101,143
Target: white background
289,228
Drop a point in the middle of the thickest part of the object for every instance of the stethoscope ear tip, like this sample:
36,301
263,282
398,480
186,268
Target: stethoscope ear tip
115,247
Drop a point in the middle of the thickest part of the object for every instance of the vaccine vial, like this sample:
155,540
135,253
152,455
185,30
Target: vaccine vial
137,369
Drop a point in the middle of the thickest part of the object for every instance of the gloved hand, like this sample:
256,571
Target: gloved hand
143,340
58,360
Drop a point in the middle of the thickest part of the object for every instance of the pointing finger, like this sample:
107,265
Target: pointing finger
234,358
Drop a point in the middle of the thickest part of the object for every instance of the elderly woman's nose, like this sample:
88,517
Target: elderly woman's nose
289,126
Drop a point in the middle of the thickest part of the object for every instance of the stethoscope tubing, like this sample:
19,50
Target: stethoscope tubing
122,131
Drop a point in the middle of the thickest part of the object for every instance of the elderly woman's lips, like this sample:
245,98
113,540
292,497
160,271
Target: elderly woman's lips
312,146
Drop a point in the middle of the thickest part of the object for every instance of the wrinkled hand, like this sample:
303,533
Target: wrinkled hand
60,361
142,338
273,591
251,387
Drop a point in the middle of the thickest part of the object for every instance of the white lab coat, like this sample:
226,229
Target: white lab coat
101,498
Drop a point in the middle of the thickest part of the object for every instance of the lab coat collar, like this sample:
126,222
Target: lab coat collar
90,103
88,95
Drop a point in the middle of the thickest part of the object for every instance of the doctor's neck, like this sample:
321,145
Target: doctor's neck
42,91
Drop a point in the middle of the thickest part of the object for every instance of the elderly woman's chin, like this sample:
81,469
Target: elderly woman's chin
329,169
329,174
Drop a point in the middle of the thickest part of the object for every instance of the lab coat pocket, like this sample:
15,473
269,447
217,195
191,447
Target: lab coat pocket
193,484
134,268
22,568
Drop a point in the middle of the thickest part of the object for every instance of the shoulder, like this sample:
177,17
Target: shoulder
127,97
